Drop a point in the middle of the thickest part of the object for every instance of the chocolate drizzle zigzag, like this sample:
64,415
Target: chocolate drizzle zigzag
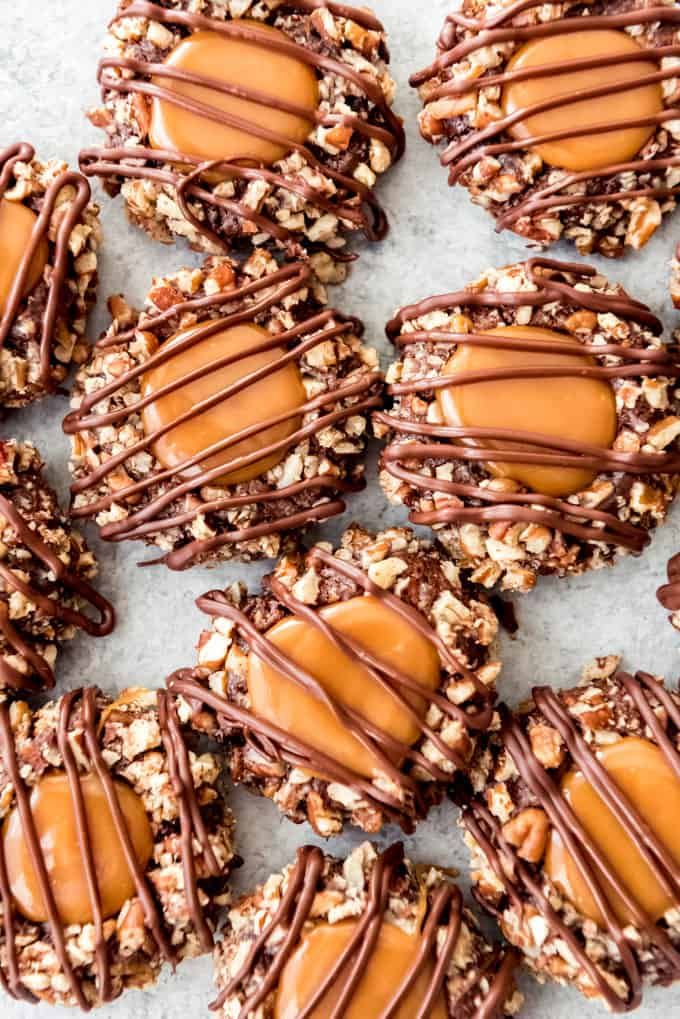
303,337
445,909
24,153
84,703
276,744
432,442
492,140
354,201
669,594
47,605
588,857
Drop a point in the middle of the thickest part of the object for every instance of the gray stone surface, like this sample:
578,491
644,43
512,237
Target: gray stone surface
48,55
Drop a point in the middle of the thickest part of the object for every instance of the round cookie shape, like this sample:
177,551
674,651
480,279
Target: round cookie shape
354,688
45,569
116,846
420,949
573,833
534,422
561,123
49,236
228,415
268,127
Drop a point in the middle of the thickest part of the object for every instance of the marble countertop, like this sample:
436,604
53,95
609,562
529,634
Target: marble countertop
438,241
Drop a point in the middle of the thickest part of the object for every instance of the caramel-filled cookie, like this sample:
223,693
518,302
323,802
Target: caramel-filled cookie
228,414
353,687
574,833
265,125
115,847
360,936
561,121
49,235
534,422
45,569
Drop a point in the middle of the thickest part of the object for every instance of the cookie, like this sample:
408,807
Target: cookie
354,687
45,569
49,235
235,125
567,380
374,932
229,414
561,121
574,833
115,850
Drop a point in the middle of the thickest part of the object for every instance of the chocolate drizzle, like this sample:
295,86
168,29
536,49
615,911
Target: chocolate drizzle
353,202
79,709
278,745
349,398
669,594
522,881
445,909
59,254
47,606
433,441
493,140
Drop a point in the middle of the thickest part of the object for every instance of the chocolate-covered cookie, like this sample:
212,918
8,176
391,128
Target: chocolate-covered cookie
534,421
45,569
370,935
228,414
115,847
49,235
268,124
561,121
574,833
354,687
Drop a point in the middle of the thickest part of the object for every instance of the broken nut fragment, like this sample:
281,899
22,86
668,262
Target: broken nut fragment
528,832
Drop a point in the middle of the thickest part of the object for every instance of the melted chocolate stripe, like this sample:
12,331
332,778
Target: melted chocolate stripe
294,911
14,679
191,826
275,743
59,257
84,838
111,162
171,735
460,155
669,594
546,450
585,852
325,325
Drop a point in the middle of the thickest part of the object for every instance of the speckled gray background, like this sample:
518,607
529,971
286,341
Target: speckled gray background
48,55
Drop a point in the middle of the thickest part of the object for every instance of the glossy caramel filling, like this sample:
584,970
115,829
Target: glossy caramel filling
642,773
380,631
615,142
279,78
57,831
17,223
279,392
582,410
319,952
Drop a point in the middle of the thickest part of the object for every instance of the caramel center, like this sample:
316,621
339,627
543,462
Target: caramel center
642,773
582,410
278,392
255,70
380,631
319,952
57,830
623,102
17,223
